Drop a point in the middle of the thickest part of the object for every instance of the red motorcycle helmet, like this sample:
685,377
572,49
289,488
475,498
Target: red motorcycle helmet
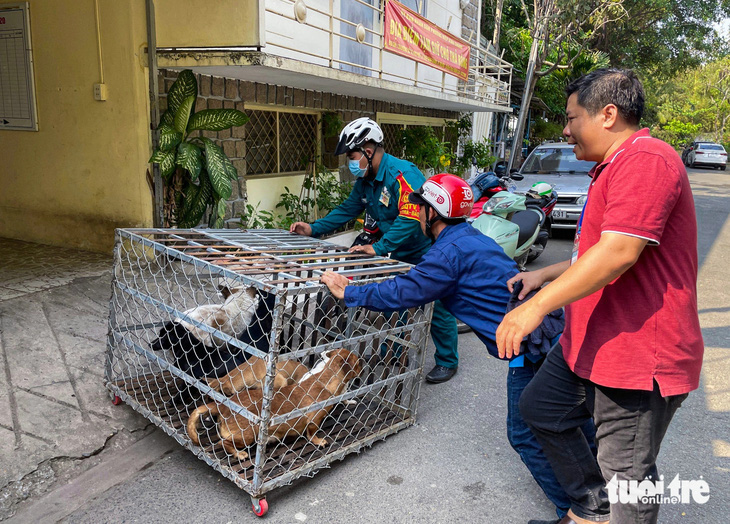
448,195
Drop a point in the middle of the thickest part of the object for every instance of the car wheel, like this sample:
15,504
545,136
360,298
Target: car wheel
722,168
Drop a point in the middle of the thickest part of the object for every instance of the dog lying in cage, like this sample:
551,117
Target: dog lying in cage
327,379
250,375
246,314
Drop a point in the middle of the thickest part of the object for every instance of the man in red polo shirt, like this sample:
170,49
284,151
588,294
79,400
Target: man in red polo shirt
632,346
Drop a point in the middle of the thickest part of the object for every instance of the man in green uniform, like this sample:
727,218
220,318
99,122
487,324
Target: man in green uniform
383,183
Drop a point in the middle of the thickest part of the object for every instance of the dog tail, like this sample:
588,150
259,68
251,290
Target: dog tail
192,427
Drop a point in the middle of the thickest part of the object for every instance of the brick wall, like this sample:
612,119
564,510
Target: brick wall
215,92
469,21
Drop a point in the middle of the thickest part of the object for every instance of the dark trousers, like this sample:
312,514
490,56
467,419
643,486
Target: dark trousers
526,445
630,426
445,336
444,333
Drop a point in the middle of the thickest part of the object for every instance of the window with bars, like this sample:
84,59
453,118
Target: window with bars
280,142
391,138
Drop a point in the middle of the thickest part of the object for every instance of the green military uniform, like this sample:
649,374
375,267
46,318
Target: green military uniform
386,199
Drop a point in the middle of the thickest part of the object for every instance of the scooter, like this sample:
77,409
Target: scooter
546,203
518,223
507,220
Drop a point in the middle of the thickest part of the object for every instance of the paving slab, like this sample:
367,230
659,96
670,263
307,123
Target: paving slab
54,408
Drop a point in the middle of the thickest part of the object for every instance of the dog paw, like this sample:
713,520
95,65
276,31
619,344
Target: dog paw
321,442
241,455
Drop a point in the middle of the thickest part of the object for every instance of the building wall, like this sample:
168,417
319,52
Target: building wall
83,172
307,42
215,92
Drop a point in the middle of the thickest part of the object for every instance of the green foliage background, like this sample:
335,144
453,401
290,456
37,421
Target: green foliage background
674,47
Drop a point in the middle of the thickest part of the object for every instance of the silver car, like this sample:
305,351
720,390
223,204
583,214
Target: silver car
707,154
555,163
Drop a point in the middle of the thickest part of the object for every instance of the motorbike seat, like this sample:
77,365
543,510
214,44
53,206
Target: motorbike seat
528,222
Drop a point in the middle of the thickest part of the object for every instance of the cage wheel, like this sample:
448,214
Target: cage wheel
116,400
260,507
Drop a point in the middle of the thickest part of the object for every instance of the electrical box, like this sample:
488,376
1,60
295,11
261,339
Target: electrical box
100,92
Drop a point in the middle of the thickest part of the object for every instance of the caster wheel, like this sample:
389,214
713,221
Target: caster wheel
116,400
260,508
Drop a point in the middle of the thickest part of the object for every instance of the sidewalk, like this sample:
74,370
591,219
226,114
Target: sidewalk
55,415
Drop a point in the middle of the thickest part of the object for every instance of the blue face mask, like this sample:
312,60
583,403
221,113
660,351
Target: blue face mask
355,168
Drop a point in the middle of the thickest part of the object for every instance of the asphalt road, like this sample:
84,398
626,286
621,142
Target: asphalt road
455,465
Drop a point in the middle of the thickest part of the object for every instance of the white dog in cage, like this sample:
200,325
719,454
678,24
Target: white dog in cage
201,353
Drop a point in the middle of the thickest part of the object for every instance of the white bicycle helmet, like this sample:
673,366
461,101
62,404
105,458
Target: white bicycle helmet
539,189
356,133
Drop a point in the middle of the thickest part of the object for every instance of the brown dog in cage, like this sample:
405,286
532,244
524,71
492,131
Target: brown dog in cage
250,375
327,379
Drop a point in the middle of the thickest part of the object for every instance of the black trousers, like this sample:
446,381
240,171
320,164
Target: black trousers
630,426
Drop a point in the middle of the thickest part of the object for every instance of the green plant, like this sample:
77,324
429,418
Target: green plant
480,152
252,218
677,133
331,124
196,172
422,147
320,194
543,130
458,130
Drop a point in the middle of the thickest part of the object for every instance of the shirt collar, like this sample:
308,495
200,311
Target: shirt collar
382,168
626,144
449,230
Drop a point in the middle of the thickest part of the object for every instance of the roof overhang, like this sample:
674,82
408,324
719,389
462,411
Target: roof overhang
255,66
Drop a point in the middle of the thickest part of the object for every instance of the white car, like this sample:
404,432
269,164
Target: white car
707,154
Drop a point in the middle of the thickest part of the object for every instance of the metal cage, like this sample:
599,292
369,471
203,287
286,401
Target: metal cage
227,340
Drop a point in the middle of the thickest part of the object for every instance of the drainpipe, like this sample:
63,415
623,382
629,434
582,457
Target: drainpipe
157,217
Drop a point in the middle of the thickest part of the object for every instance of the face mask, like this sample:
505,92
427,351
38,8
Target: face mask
355,168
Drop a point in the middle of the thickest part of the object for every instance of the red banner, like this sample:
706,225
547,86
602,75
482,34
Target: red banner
410,35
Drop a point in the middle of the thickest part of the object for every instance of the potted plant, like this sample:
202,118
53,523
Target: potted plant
196,172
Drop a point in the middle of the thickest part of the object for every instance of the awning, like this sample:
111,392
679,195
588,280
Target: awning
255,66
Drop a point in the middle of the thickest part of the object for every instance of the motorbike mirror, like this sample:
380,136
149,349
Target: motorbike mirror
516,176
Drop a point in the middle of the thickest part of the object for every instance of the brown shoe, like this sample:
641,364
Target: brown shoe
572,518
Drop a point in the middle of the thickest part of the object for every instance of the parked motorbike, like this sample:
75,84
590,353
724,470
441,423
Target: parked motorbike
520,224
544,201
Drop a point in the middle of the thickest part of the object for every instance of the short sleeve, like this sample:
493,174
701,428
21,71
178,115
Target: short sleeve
641,193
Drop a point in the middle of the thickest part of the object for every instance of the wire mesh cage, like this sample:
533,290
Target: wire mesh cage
227,340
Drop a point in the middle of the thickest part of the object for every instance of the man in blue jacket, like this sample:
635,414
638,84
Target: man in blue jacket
382,187
468,272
